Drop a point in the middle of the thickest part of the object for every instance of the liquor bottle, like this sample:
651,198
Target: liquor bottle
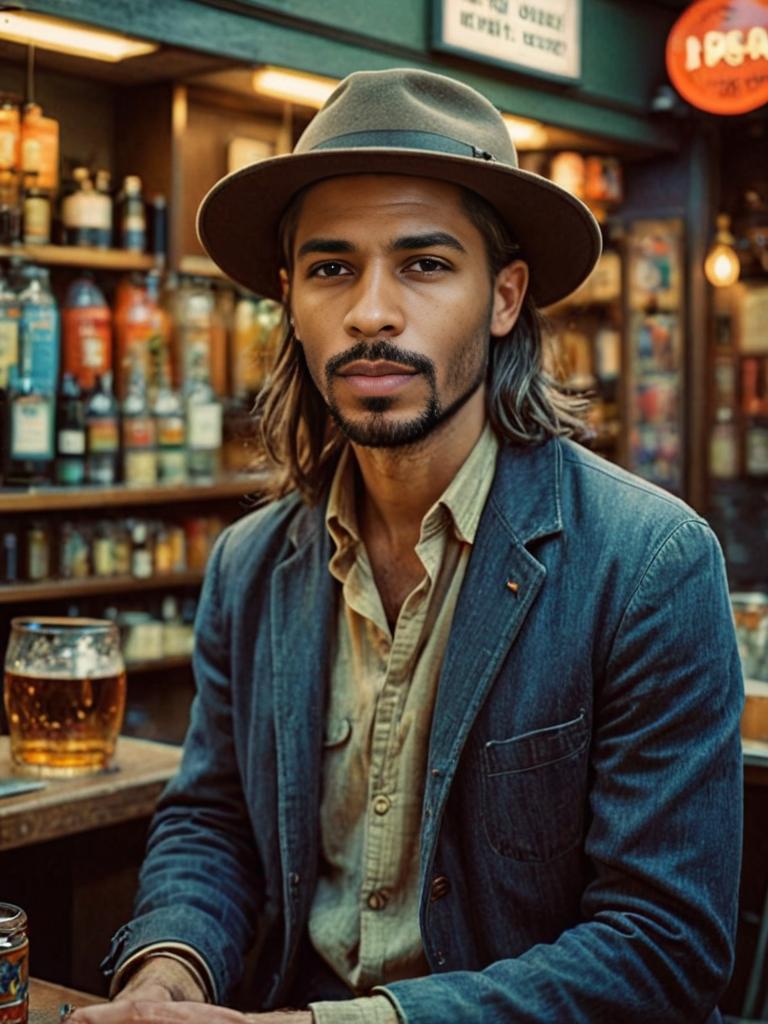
40,329
102,433
40,146
160,330
10,132
142,560
86,332
204,426
36,212
132,221
138,434
76,210
102,205
10,314
197,328
10,208
141,330
168,410
70,434
158,210
29,423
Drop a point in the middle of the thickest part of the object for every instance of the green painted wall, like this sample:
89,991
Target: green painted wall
622,56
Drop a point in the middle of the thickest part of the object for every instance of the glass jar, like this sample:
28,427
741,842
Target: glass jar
14,965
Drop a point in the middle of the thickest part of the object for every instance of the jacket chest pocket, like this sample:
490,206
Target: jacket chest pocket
534,791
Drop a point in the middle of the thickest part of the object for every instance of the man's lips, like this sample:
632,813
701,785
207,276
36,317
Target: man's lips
376,378
380,368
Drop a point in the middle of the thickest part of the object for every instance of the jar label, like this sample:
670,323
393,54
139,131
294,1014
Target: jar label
14,983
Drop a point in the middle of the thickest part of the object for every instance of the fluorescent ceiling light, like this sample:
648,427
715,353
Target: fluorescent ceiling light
524,133
68,37
293,86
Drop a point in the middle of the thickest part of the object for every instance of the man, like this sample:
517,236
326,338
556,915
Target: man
465,744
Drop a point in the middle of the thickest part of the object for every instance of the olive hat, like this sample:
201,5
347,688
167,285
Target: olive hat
401,121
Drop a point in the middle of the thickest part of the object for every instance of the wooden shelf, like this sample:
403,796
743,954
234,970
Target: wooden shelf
58,590
199,266
80,256
53,499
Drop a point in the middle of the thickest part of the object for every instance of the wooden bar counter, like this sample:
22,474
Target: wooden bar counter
45,999
70,855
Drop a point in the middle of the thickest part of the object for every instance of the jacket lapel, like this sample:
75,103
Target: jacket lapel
502,581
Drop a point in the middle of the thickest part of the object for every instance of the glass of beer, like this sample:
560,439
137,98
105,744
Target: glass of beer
64,695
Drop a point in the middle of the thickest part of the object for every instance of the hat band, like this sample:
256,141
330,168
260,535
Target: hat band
404,140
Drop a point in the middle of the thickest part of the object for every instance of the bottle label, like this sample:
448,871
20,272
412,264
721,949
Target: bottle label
40,338
9,141
9,347
32,429
140,467
139,432
70,471
103,435
71,442
172,466
37,220
87,344
205,426
170,431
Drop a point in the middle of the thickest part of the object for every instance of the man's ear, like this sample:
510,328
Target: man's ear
285,284
509,288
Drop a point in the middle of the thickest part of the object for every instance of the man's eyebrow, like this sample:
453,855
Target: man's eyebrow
430,240
324,245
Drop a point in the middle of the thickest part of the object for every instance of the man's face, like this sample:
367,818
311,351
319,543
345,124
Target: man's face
393,302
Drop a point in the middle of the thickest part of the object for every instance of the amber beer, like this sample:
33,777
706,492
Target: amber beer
64,725
64,695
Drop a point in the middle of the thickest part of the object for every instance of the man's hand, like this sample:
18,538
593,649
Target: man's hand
141,1011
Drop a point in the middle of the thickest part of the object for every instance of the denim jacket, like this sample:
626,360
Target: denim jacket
582,808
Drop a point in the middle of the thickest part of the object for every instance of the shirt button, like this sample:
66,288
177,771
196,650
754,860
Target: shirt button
378,900
441,886
381,804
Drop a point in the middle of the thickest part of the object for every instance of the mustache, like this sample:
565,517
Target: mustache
380,350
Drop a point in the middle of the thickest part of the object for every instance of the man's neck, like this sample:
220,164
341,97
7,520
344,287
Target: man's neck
399,486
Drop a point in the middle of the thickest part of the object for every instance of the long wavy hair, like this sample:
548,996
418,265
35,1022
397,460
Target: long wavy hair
300,443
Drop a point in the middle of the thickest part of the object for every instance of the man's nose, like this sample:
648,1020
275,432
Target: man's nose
375,307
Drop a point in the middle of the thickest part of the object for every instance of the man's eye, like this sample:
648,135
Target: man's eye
427,265
328,270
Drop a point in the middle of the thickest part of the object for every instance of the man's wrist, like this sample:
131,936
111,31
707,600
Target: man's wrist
167,972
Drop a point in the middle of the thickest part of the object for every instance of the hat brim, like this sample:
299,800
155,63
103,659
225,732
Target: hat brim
239,218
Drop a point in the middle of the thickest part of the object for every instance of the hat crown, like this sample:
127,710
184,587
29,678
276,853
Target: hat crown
412,101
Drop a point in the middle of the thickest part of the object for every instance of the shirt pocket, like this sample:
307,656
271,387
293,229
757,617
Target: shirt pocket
534,791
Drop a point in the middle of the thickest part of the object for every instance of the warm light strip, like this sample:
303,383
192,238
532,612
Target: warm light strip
67,37
308,90
524,133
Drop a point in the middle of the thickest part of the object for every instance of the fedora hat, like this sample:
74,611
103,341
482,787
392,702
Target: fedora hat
401,121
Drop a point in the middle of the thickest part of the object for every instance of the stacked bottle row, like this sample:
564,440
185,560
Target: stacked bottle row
134,391
37,549
86,211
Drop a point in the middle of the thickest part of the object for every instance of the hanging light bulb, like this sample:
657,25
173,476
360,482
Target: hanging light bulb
721,266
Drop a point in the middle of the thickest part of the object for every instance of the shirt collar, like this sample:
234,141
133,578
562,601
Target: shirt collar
463,499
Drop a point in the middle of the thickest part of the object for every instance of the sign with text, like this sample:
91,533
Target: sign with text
541,38
717,55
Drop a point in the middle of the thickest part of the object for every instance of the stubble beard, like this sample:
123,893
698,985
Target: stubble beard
376,429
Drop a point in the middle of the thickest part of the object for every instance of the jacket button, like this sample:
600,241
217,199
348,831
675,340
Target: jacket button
378,899
381,804
440,887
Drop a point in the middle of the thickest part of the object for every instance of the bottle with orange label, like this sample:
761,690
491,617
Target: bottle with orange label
40,146
142,331
87,332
